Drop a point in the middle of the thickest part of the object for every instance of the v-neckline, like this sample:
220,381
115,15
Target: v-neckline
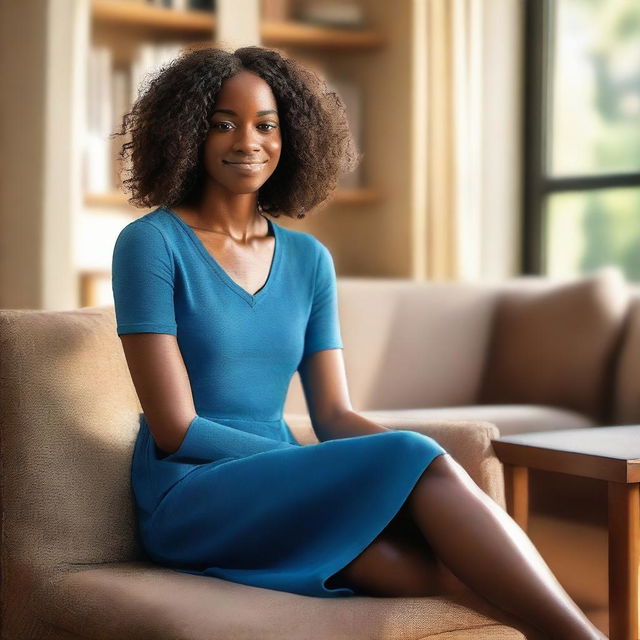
254,298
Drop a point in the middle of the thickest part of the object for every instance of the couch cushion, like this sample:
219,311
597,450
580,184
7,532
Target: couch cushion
626,404
410,344
69,421
70,417
509,418
553,345
157,603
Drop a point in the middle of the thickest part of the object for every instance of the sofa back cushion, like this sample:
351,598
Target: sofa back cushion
69,421
553,343
626,405
410,344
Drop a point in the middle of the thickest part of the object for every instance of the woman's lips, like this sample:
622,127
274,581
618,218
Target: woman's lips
245,167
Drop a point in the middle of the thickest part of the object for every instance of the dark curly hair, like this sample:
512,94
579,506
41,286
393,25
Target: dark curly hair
170,121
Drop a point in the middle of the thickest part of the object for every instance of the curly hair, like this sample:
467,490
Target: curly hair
170,121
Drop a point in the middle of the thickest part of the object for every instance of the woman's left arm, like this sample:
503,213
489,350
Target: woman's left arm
324,382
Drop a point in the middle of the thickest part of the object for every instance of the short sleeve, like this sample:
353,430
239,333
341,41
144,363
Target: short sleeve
142,276
323,326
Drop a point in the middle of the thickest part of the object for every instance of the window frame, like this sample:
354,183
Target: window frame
539,48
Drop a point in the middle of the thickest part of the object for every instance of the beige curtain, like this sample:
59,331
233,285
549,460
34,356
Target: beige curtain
453,104
473,143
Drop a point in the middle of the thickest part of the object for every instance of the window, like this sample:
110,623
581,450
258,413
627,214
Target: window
582,137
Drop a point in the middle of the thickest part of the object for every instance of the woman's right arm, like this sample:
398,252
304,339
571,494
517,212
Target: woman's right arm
162,384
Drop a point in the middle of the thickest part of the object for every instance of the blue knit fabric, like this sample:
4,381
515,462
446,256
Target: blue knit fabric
241,499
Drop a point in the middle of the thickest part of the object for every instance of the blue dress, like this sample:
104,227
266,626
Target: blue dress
241,499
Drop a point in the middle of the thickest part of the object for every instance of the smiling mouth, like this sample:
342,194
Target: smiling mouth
246,168
246,164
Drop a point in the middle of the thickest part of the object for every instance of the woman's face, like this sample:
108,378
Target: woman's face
243,146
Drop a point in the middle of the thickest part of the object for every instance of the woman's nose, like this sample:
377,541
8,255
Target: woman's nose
246,138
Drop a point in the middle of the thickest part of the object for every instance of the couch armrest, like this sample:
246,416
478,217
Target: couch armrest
468,442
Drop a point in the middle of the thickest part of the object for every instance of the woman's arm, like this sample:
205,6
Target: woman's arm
321,369
325,387
162,384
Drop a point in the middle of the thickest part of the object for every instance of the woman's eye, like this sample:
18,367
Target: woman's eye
220,125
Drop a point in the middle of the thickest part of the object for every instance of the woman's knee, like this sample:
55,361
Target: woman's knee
442,469
414,440
446,465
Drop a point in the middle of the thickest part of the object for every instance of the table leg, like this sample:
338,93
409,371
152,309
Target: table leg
624,556
516,487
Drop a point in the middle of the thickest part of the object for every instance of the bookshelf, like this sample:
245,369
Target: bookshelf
124,13
289,34
373,205
137,14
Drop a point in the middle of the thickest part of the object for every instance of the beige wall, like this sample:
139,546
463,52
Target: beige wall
22,132
40,116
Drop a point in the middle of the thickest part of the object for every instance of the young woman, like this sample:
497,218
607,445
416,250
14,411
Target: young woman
218,306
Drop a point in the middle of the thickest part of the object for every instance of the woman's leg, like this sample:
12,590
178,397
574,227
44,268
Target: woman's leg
400,563
490,553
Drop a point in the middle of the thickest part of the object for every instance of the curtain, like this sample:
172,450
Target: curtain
473,142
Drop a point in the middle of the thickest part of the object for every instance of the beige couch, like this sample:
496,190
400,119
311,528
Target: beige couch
528,354
71,565
70,561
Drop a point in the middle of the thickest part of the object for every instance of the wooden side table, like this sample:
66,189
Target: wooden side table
606,453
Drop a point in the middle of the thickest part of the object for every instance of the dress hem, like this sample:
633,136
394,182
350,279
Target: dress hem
346,558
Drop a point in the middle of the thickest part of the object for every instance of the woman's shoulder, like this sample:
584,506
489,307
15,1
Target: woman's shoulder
301,241
308,252
158,218
151,226
146,235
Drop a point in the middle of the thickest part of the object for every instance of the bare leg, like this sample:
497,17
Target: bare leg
489,552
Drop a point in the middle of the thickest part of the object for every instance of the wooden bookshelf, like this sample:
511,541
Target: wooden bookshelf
132,14
88,284
297,34
359,196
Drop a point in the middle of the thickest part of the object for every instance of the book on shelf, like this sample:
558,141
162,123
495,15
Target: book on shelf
96,164
120,91
111,92
330,13
148,59
182,5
